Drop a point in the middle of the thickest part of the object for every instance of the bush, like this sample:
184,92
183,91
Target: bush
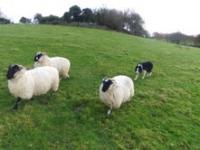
4,21
50,20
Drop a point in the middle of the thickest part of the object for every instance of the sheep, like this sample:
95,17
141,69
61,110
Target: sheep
24,84
115,91
60,63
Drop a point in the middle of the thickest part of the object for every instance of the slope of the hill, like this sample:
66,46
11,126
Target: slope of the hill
164,114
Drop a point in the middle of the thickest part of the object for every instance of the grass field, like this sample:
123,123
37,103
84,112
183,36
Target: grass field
164,114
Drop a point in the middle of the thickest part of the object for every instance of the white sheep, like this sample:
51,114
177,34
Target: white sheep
24,84
115,91
60,63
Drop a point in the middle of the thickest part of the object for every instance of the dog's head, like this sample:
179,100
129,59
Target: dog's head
138,68
13,70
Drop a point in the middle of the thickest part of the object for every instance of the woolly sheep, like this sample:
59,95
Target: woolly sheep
60,63
24,84
115,91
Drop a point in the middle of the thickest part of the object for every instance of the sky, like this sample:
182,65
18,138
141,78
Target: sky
165,16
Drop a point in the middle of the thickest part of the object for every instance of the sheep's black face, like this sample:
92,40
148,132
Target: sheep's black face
37,56
138,68
106,85
12,69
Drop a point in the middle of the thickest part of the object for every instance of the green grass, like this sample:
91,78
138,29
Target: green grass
164,114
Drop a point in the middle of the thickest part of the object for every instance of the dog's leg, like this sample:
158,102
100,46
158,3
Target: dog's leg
150,73
136,77
144,74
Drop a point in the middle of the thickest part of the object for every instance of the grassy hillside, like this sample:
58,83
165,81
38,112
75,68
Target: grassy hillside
164,114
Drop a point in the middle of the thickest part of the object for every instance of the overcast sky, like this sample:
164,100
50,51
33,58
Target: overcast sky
159,15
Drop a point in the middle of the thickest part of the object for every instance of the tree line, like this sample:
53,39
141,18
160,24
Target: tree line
178,38
3,19
124,21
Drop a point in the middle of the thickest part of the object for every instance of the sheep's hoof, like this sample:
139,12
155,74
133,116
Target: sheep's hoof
14,108
109,112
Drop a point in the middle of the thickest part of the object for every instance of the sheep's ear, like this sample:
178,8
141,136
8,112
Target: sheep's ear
38,52
44,53
103,80
16,66
113,81
10,66
21,67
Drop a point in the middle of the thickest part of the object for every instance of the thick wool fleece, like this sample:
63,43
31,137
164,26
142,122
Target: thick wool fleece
60,63
119,92
37,81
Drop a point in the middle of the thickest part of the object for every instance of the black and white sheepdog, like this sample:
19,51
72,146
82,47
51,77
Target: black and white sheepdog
145,68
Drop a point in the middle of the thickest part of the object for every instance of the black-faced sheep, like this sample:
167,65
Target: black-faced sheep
24,84
60,63
115,91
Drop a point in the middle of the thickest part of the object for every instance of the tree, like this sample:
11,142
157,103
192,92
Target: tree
37,18
159,36
197,41
4,21
50,20
87,15
66,17
110,18
25,20
176,37
127,21
74,13
134,23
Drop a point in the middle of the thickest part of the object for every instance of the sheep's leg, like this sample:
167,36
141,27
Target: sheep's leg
109,111
136,77
55,85
15,107
144,74
67,75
